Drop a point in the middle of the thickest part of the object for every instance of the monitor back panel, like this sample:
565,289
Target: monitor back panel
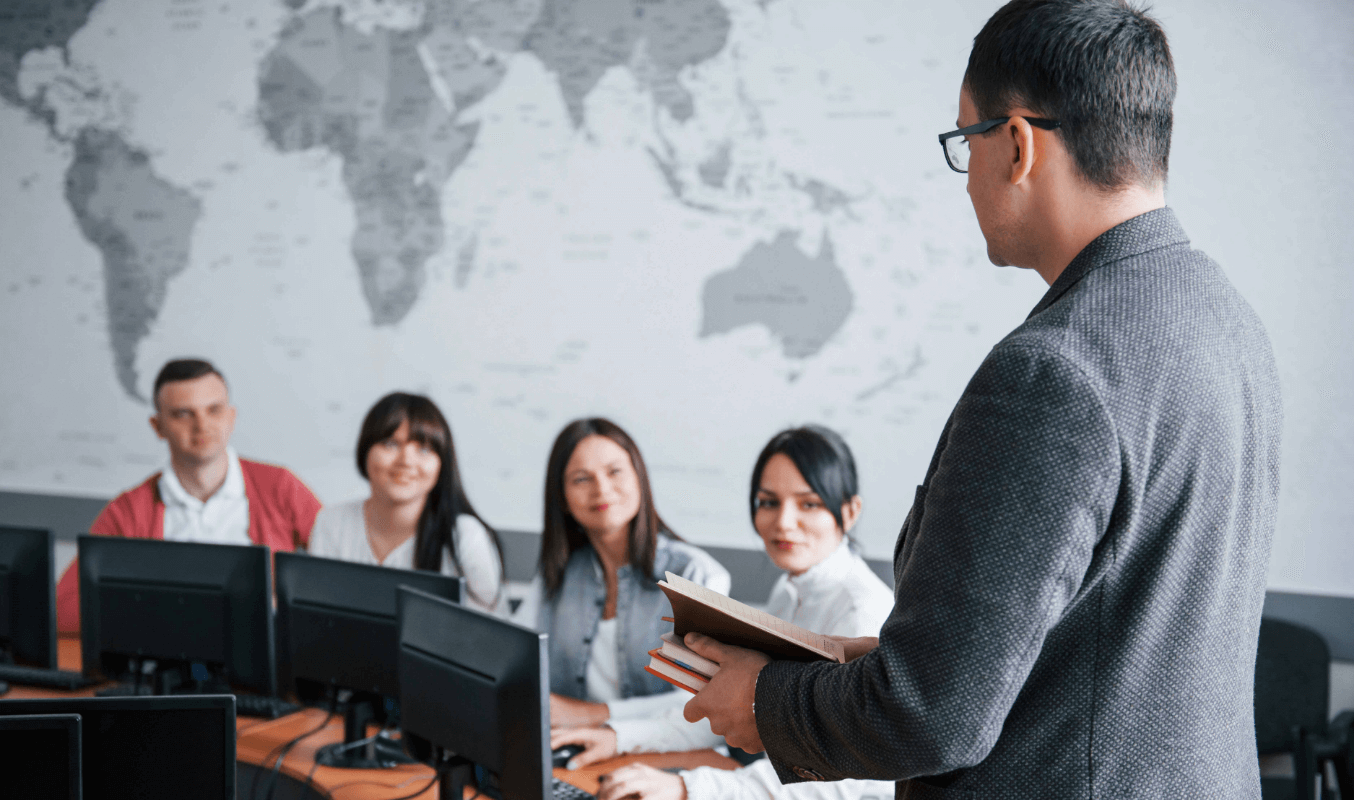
478,686
326,607
177,600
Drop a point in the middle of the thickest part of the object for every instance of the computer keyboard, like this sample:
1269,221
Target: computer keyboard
257,705
45,678
246,705
560,790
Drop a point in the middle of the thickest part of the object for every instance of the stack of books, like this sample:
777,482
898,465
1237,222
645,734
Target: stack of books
679,666
696,608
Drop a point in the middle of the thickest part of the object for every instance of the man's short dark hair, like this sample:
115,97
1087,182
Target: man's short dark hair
183,369
1100,67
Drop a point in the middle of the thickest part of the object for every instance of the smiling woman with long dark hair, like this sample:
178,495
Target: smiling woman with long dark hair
603,549
417,516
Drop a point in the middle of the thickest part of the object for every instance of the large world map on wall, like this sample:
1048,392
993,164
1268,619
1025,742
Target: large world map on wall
707,219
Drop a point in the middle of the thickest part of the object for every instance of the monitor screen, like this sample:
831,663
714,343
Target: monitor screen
40,756
477,686
27,608
149,747
201,612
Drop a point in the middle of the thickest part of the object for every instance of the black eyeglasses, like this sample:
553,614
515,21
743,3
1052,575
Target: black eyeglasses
956,146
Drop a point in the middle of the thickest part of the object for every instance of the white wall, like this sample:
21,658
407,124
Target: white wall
1263,184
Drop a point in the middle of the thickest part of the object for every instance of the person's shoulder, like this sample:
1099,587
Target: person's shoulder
145,492
865,583
349,509
269,475
337,517
469,523
861,601
335,522
687,560
129,510
1030,350
470,530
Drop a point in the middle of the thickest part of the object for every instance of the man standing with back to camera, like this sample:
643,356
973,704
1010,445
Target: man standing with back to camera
1080,578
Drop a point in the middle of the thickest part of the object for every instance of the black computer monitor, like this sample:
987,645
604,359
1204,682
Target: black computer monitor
27,604
40,756
140,747
337,628
475,688
176,617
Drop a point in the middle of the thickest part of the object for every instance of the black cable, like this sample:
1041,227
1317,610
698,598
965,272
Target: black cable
277,765
437,774
310,776
281,751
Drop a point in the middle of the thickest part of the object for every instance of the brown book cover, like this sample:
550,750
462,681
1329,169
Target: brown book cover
696,608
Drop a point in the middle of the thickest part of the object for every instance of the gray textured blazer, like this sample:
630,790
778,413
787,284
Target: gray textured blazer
1079,581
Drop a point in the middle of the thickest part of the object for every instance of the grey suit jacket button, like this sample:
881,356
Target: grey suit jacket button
807,774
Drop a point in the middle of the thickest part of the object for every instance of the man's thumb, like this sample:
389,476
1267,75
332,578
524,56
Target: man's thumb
706,647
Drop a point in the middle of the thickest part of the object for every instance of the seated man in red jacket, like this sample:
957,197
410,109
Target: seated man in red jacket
209,494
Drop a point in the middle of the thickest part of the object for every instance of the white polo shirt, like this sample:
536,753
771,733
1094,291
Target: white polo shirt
222,519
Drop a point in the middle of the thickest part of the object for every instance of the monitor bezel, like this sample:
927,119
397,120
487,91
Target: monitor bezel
67,722
184,702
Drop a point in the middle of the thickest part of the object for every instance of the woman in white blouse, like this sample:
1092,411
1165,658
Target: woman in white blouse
804,501
417,516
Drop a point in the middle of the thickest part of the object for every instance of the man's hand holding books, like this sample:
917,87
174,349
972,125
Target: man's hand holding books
728,697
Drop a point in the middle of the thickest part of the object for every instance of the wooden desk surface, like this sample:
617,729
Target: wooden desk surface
258,739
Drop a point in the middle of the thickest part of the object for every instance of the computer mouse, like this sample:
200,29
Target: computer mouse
561,756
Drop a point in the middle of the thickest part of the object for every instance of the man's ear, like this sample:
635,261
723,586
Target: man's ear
851,513
1024,154
155,425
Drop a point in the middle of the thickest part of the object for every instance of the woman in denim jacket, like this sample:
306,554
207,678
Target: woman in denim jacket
603,550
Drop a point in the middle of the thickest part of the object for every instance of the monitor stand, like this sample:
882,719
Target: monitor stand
358,750
149,677
455,773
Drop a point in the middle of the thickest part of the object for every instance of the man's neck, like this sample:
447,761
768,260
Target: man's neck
1077,216
201,479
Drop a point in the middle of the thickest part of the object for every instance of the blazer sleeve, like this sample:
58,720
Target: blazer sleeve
1020,493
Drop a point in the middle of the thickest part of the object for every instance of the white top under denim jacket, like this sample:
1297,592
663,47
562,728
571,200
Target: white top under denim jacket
839,595
573,617
340,532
